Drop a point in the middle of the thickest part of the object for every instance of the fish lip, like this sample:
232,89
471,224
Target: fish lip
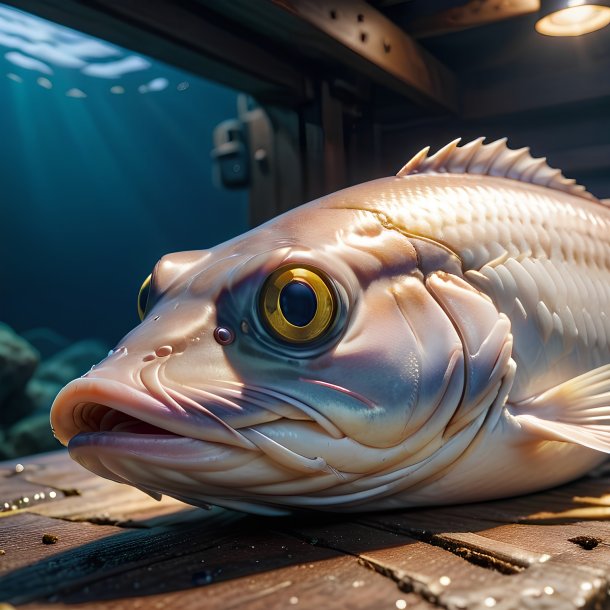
110,393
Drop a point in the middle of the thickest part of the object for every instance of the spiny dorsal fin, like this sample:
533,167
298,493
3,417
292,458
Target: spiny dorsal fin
493,159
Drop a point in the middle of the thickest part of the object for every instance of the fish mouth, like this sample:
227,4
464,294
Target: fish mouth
87,406
181,448
93,407
122,433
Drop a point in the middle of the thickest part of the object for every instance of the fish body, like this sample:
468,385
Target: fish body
436,337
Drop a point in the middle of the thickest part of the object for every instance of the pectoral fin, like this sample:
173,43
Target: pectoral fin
576,411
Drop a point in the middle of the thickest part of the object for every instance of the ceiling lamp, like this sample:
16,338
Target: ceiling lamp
572,17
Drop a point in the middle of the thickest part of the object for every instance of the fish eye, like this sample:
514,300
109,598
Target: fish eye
298,303
143,297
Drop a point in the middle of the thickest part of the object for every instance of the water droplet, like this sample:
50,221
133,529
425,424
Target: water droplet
549,590
489,602
444,580
52,494
358,583
401,604
586,586
294,600
19,468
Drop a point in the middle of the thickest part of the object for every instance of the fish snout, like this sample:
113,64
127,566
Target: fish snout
94,404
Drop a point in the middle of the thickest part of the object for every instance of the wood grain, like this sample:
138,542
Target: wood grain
117,548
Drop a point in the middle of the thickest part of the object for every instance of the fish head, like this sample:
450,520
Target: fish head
285,367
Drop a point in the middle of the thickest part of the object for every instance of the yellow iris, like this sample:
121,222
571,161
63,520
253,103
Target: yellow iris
143,297
298,303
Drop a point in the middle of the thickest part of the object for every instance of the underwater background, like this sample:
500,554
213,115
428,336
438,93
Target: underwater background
105,166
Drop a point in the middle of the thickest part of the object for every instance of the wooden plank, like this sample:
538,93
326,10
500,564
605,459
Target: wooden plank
21,538
440,575
491,554
333,584
470,14
175,562
56,486
353,34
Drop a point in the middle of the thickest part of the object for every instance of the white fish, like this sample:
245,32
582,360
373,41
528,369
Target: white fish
436,337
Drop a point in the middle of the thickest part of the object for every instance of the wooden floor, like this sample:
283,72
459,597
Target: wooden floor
109,546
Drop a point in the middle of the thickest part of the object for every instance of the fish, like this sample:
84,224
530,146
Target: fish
436,337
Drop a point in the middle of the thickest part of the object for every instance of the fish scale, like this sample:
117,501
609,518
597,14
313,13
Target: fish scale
504,215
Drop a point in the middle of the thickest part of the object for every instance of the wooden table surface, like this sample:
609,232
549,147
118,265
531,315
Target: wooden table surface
111,547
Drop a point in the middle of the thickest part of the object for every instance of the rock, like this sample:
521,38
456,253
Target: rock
71,362
18,360
37,396
46,341
32,435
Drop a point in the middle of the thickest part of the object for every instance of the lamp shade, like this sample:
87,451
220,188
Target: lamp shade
572,17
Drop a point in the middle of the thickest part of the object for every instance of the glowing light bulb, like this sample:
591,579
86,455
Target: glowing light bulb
576,19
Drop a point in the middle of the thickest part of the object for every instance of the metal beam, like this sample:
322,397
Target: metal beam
353,34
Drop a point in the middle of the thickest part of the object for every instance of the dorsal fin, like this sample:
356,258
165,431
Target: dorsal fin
493,159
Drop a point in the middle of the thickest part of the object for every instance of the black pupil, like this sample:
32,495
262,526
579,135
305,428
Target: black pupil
143,298
298,303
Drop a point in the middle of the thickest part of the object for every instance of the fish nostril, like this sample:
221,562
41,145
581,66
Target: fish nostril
224,336
164,350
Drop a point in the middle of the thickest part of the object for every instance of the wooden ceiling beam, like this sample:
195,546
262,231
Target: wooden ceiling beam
354,34
473,13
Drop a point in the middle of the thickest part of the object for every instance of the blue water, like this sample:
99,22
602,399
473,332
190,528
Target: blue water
102,171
